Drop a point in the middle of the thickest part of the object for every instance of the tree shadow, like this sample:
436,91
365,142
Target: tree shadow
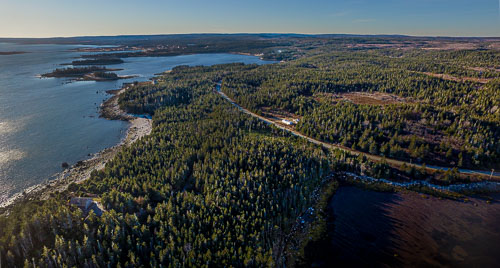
359,231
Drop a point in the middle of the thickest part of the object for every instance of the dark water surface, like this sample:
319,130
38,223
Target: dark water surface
44,122
374,229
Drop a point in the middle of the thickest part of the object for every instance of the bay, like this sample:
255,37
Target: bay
47,121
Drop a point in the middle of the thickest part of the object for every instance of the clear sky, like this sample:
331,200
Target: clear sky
48,18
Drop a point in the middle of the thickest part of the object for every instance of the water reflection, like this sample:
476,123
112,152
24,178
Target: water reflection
361,234
51,121
407,229
10,155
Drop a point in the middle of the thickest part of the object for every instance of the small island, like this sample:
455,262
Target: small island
3,53
93,73
99,61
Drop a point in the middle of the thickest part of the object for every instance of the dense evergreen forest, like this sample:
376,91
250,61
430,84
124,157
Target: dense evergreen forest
433,107
76,72
209,187
101,61
214,187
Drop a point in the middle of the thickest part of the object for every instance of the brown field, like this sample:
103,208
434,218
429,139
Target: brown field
279,114
458,79
386,45
436,45
376,98
433,45
484,69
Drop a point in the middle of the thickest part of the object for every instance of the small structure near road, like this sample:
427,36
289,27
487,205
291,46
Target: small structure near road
287,122
87,204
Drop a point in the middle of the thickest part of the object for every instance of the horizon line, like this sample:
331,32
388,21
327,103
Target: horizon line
253,33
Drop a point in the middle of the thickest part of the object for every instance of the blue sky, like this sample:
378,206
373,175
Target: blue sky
37,18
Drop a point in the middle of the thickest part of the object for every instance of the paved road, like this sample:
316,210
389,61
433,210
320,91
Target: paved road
338,146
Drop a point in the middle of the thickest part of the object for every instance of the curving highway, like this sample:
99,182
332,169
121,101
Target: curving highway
490,174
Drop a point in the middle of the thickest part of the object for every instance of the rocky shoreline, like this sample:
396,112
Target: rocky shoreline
78,173
488,186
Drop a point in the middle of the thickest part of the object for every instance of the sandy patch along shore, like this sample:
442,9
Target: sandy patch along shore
78,173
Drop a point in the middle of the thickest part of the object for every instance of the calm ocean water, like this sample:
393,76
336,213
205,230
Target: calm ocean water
44,122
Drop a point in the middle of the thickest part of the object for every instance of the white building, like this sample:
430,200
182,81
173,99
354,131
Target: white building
286,122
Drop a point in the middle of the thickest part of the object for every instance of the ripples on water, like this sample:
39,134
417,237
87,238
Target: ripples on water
4,128
7,128
12,155
44,122
409,230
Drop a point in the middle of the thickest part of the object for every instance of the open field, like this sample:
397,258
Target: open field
376,98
